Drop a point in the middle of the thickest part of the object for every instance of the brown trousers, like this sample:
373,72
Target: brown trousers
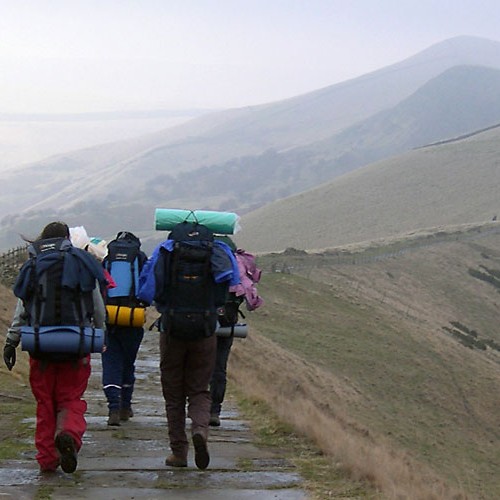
186,369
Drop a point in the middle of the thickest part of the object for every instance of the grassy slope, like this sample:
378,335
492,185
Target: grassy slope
16,400
366,368
452,183
397,374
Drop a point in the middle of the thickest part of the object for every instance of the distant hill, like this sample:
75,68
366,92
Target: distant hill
243,159
460,100
452,183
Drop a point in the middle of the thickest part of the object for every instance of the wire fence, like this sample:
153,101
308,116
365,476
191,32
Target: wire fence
302,262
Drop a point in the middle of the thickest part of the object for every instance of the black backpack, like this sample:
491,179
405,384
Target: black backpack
186,293
229,315
124,262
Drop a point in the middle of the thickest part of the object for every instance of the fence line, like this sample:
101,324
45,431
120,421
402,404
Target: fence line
10,262
293,260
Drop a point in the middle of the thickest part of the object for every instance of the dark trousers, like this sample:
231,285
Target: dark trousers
186,367
219,377
118,365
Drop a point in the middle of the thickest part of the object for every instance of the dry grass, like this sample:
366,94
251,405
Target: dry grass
301,396
7,305
357,357
322,477
16,399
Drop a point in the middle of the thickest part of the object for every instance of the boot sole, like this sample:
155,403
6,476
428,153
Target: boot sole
175,463
66,447
214,422
201,456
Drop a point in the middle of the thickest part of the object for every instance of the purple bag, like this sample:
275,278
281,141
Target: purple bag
249,276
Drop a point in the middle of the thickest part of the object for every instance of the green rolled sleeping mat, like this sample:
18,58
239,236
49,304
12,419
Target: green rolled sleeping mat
218,222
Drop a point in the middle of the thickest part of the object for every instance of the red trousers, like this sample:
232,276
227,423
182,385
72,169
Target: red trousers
186,368
58,389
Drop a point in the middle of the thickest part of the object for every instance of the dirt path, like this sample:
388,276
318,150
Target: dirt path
127,462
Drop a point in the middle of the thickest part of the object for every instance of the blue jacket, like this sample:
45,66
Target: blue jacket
224,268
81,270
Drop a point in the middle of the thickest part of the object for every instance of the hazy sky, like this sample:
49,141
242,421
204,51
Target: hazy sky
97,55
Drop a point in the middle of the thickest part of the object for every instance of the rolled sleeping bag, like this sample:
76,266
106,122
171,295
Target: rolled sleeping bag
218,222
126,316
240,330
62,339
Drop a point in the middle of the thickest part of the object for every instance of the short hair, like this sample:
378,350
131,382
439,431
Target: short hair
54,230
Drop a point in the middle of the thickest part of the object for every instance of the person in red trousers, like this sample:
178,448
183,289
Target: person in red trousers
58,379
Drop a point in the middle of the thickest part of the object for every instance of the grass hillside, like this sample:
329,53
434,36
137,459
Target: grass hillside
386,355
391,364
452,183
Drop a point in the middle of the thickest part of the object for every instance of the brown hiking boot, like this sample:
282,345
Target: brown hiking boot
114,418
201,456
125,414
175,461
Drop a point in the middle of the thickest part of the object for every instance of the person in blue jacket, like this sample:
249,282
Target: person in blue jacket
123,339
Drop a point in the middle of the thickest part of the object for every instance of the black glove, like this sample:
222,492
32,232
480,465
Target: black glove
9,355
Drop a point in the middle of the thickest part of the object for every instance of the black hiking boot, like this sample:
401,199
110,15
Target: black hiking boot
65,445
214,420
201,456
114,418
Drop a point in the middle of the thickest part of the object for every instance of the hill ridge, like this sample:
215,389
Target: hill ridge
216,161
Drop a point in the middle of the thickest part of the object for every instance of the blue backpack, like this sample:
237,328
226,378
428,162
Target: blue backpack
124,262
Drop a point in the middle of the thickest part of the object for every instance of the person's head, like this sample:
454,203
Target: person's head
54,230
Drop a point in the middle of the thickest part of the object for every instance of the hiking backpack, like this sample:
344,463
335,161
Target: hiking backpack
244,291
56,289
229,314
124,262
186,293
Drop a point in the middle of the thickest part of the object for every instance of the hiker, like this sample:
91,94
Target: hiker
58,285
244,291
125,325
188,276
218,380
